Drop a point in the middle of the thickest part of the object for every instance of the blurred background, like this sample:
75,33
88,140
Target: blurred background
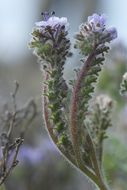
41,166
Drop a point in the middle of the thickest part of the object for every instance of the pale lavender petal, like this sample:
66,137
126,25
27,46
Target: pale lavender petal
113,32
41,23
38,154
97,22
53,21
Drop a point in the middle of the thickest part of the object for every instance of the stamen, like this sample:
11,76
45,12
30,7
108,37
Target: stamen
45,15
53,13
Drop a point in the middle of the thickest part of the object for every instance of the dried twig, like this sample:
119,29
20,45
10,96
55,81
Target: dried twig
9,121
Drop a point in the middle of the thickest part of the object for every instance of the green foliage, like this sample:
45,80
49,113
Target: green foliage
52,47
85,45
110,80
56,96
99,121
115,157
2,187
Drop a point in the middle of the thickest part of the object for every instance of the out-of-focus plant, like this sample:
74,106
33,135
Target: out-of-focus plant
13,126
115,162
34,171
123,86
110,77
78,133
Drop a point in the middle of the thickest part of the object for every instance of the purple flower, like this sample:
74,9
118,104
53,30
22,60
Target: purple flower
94,33
33,155
97,22
113,33
50,37
38,154
53,21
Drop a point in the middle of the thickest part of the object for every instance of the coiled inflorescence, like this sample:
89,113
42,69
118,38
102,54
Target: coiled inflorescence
93,41
94,33
52,46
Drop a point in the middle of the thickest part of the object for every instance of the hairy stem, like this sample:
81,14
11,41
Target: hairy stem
97,167
97,177
74,107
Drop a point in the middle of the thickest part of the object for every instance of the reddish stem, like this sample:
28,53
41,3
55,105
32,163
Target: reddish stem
74,108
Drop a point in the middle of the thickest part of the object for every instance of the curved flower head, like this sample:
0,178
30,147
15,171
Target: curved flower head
50,38
97,22
53,22
94,33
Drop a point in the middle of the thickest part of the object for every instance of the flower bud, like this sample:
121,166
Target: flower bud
123,85
104,102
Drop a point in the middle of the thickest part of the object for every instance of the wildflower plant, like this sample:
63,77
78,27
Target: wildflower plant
77,134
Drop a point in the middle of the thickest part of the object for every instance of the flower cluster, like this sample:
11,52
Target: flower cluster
94,33
49,38
97,22
53,22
